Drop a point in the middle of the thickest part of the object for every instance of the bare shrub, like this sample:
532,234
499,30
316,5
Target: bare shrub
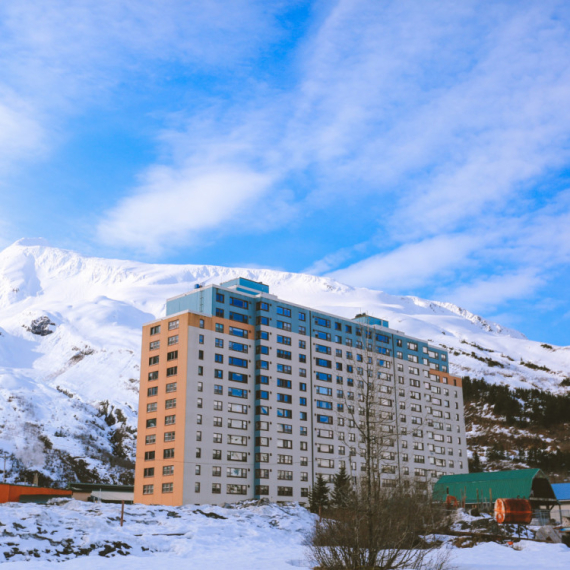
387,529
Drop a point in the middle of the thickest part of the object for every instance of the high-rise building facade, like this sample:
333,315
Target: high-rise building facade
244,395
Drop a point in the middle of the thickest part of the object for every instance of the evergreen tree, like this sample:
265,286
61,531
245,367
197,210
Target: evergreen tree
475,464
319,495
342,491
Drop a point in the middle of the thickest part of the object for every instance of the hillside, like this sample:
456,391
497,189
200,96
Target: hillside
70,346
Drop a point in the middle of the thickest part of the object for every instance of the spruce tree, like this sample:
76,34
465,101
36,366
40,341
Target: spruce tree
342,491
475,464
319,495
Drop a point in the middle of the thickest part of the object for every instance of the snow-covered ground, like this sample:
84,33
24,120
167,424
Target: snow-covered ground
266,537
51,385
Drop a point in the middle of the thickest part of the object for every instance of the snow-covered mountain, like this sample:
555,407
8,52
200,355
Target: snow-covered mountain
70,340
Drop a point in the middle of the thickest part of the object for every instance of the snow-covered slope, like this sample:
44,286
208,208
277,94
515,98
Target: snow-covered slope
70,339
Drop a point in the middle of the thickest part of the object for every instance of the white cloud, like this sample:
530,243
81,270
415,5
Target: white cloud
172,205
487,294
410,265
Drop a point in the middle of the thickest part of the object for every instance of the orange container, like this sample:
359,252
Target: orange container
513,511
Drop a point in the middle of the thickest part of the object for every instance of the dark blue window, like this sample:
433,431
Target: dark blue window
302,316
284,368
262,349
220,313
218,373
238,361
303,416
324,405
284,311
322,348
220,297
283,354
324,391
324,377
219,358
262,365
285,398
238,347
262,395
283,383
237,377
239,303
324,363
262,379
348,329
262,410
262,335
324,419
238,317
383,338
302,387
340,407
322,335
284,339
237,392
262,321
323,322
261,306
238,332
303,401
281,413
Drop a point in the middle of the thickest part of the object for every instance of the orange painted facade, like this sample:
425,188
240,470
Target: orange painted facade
185,322
12,493
446,378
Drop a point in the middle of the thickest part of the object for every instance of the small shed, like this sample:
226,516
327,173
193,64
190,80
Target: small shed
99,493
562,492
29,493
478,488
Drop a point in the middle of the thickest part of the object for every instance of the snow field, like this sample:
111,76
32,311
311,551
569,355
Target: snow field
247,537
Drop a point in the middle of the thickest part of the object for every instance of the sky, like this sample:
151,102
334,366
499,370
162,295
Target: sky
417,147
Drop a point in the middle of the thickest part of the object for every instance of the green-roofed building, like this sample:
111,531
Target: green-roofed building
477,488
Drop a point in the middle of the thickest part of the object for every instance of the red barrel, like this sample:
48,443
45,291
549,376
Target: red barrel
513,511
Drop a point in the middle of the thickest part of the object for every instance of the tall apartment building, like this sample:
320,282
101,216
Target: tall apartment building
244,395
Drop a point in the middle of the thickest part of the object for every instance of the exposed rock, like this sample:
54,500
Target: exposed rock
40,326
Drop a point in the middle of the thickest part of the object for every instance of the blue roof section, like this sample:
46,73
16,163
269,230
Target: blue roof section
562,491
247,283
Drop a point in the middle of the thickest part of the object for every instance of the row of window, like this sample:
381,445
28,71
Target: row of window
172,325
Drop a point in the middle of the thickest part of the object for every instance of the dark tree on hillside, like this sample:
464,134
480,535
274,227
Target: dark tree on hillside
475,464
319,495
342,491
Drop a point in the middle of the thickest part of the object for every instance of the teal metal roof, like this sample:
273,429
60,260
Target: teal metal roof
486,487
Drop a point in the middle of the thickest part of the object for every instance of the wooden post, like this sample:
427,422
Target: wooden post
122,512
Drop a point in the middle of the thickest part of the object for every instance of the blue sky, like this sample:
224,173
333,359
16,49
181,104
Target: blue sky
416,147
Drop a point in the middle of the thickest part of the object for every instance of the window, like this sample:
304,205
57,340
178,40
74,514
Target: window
239,317
237,472
303,401
155,330
168,470
283,383
324,419
282,413
241,362
149,455
153,376
148,489
283,325
169,420
155,345
237,392
200,371
284,311
218,405
238,332
236,489
149,472
219,297
149,439
262,335
173,325
219,328
152,407
219,358
237,456
173,371
285,398
151,423
216,488
283,354
170,403
284,340
168,453
324,377
284,369
237,408
153,360
174,340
